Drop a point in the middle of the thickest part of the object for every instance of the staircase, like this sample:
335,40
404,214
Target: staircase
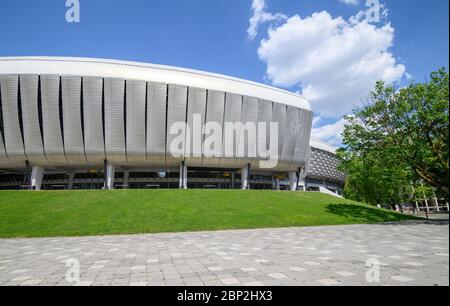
327,191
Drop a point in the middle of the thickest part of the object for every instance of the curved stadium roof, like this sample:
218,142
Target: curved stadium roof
147,72
318,144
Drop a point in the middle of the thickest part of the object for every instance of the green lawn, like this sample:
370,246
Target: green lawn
81,213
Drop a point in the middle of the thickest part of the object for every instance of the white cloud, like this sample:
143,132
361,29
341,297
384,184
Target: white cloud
329,133
260,16
335,62
350,2
316,121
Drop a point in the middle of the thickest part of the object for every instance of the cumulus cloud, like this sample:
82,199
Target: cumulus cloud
334,61
316,121
330,133
260,16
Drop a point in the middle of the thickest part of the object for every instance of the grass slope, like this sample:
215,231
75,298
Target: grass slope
81,213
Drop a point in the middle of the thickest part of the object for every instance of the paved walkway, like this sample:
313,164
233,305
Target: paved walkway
403,254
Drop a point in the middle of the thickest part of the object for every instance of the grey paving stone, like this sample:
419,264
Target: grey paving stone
407,254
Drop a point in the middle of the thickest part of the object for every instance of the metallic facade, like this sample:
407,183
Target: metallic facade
322,170
77,113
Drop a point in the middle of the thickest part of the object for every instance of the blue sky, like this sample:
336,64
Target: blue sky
408,43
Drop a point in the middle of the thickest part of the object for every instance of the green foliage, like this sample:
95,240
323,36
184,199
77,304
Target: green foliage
399,137
422,192
374,179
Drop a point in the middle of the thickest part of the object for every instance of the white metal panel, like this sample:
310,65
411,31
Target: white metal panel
307,167
293,147
4,162
93,120
303,132
34,148
114,121
73,134
215,108
121,136
232,115
53,140
197,107
156,124
149,73
249,115
279,116
289,143
13,135
263,135
176,114
136,91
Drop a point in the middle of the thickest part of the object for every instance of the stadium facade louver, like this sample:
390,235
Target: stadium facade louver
84,123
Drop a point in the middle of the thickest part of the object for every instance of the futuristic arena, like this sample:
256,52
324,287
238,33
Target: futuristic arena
80,123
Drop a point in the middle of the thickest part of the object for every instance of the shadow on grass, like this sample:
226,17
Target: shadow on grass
366,214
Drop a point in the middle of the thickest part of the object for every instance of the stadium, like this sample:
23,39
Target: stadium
79,123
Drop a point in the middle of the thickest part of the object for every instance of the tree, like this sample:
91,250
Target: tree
401,135
375,179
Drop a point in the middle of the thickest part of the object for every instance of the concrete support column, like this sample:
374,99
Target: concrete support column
126,178
233,180
301,183
274,184
71,179
37,174
183,176
447,206
301,180
180,185
110,174
277,182
293,181
27,178
245,178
